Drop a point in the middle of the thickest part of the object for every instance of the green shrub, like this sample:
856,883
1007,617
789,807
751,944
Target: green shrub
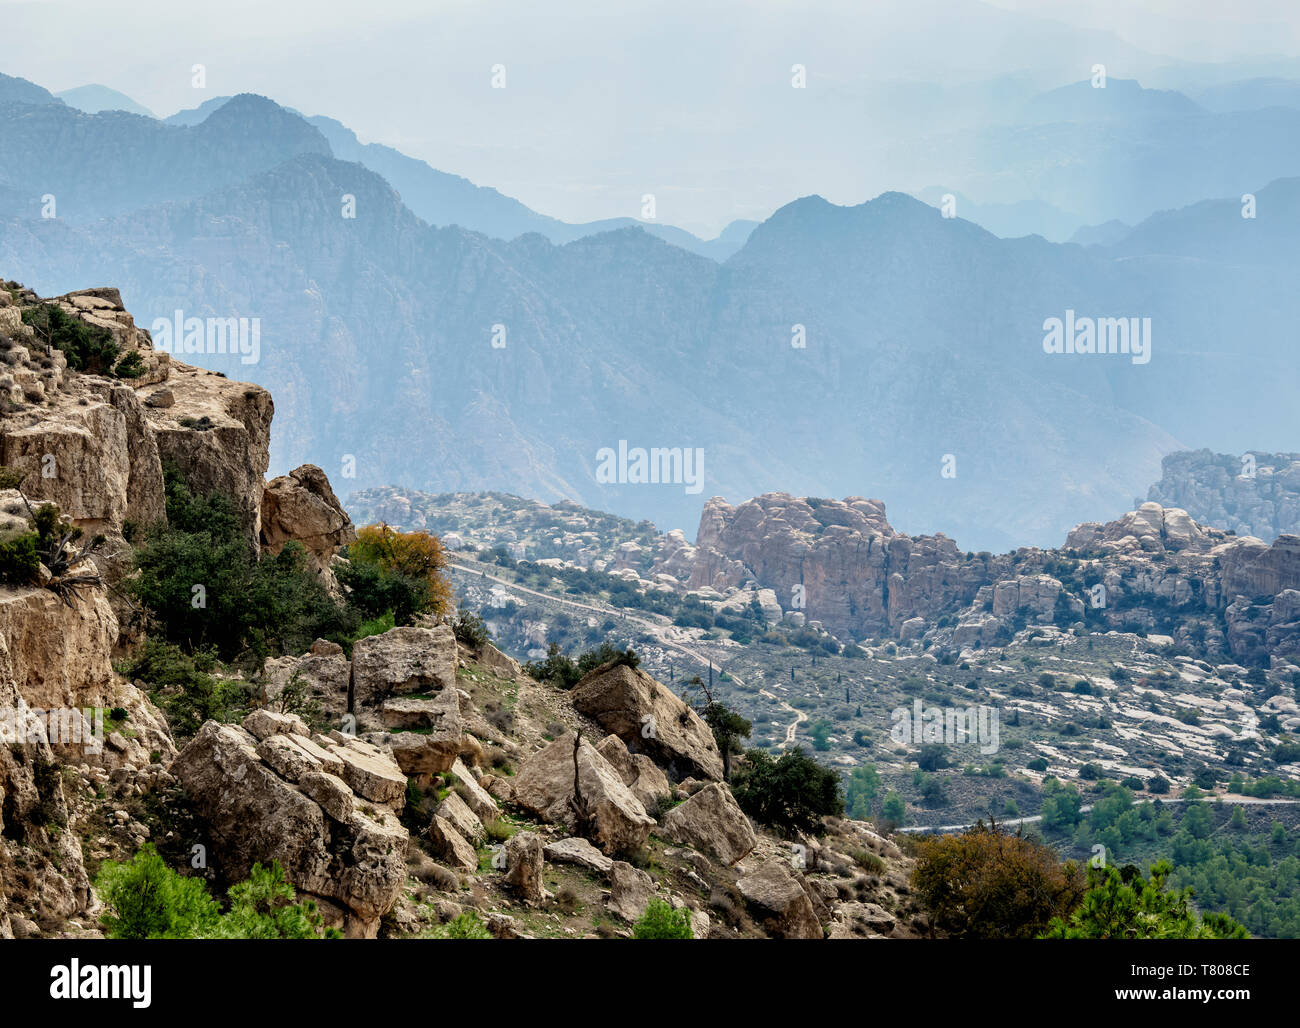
791,794
146,899
204,586
465,926
19,563
130,366
89,348
469,629
265,907
184,686
1124,905
661,921
375,626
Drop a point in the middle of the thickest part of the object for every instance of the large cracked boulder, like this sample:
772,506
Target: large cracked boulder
615,819
301,507
325,808
320,677
649,719
402,662
778,899
712,821
630,890
640,773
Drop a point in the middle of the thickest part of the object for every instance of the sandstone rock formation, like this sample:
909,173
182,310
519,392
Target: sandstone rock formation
1252,493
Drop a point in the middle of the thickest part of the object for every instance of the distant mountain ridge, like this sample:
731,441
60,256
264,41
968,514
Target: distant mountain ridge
878,349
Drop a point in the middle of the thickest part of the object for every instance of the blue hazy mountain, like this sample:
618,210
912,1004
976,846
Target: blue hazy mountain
1251,94
19,91
441,198
95,98
99,165
1214,231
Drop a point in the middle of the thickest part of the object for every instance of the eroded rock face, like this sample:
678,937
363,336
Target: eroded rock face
96,445
295,809
617,823
1256,494
839,562
712,821
650,719
43,881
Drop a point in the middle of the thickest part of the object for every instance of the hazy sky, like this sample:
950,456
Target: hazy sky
690,100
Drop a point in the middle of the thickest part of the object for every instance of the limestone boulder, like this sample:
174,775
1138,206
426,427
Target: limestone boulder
578,852
524,863
480,801
301,507
456,812
713,822
370,771
778,899
614,818
647,716
451,846
630,891
639,772
404,661
253,814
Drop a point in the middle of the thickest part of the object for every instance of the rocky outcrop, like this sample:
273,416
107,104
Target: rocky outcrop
1149,529
1254,493
326,808
403,661
837,562
612,817
301,507
97,444
649,719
